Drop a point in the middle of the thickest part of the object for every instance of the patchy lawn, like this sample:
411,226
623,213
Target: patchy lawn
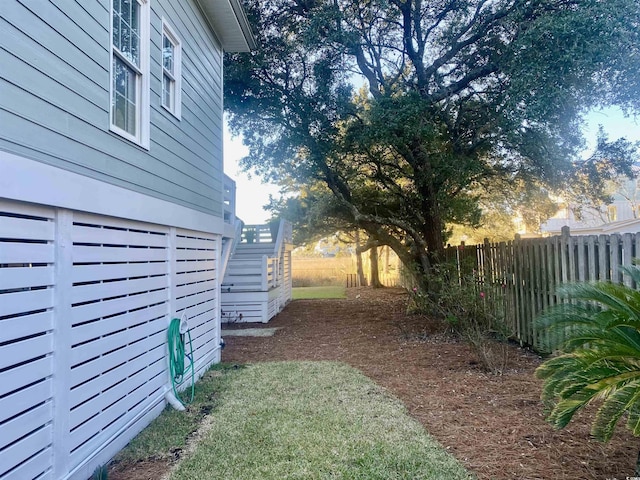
493,424
288,420
313,420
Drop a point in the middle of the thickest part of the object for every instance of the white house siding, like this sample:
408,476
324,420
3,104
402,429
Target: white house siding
54,99
84,305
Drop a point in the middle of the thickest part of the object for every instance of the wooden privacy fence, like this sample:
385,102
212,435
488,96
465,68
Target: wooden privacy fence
521,276
388,280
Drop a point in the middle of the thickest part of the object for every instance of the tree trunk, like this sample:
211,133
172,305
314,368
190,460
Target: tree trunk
375,277
433,235
637,474
362,280
385,269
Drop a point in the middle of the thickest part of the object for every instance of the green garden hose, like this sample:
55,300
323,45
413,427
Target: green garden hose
175,341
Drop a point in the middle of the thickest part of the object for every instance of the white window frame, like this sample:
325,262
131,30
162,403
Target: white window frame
176,75
143,107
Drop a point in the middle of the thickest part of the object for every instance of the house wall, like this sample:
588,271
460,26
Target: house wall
625,204
54,100
102,241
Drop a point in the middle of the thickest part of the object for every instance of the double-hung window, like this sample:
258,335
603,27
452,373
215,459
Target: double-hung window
130,70
171,70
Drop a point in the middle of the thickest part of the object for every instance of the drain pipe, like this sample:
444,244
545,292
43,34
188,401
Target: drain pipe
173,400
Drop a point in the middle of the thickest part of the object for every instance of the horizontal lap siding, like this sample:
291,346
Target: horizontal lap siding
54,100
26,341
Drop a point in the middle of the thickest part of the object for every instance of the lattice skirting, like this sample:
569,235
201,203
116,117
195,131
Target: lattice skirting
85,301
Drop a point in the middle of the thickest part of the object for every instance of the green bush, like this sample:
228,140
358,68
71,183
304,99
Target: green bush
473,310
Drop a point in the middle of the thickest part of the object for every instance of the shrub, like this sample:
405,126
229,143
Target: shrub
472,309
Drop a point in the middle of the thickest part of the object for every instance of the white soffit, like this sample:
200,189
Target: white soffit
230,23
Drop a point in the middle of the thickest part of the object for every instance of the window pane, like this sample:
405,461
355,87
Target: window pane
116,28
119,112
167,54
135,17
126,29
131,118
167,92
124,96
135,32
125,39
125,10
135,49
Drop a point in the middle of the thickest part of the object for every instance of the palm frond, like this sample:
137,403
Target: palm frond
597,335
615,297
633,422
612,409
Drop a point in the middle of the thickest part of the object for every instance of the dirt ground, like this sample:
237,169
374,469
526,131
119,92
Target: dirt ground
493,424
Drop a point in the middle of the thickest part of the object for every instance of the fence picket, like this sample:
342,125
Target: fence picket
522,275
627,256
592,259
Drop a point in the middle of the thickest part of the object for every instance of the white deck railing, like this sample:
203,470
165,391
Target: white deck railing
257,284
229,200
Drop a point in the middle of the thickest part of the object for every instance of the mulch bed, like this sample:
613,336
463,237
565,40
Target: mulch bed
493,424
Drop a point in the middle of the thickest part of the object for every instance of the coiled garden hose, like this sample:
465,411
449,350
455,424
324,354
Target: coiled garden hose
175,341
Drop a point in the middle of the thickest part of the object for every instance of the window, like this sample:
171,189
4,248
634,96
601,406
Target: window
612,213
129,111
171,65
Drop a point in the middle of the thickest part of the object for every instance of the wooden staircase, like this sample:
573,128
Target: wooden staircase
257,279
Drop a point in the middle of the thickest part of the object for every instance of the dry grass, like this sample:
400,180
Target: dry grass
316,272
333,271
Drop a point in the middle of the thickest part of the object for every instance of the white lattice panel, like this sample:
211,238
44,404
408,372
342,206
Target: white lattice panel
104,304
119,305
27,236
197,288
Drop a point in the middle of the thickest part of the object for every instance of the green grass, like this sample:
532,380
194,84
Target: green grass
300,293
171,429
295,420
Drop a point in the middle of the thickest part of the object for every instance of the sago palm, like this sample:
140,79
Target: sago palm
597,337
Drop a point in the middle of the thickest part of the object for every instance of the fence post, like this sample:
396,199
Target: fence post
62,341
616,258
564,255
265,274
627,256
603,258
487,263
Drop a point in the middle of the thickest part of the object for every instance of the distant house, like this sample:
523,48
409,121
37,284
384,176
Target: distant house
622,215
115,215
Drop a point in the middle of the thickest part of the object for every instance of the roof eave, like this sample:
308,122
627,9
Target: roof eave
230,24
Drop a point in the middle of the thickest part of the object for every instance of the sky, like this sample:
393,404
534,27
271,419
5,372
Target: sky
252,194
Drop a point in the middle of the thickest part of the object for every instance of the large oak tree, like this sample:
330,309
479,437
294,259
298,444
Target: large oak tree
408,109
